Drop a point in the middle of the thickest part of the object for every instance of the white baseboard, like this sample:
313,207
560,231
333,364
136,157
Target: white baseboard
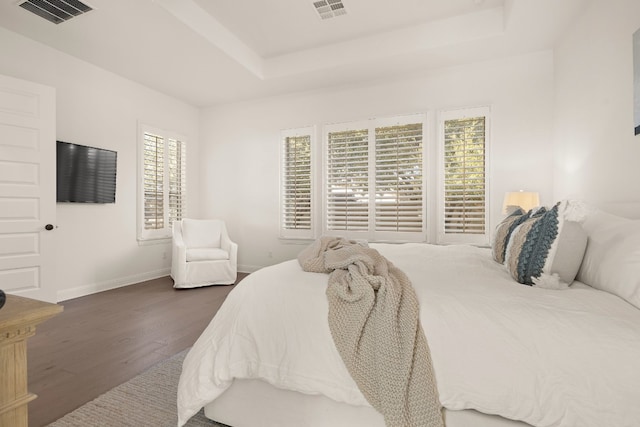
93,288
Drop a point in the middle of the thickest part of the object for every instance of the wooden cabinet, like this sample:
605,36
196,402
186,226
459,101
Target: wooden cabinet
18,320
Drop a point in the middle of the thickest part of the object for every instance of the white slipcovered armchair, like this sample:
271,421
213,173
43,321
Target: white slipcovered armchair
203,254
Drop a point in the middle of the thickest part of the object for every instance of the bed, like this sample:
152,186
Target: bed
504,354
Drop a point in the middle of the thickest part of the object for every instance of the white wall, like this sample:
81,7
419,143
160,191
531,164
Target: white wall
96,244
597,154
240,142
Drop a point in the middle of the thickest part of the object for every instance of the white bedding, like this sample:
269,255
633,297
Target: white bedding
549,358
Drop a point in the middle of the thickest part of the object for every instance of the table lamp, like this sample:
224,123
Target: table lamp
520,199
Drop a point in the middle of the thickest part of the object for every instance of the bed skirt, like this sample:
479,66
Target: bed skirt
252,402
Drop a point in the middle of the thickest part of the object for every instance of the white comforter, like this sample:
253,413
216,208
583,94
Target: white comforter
549,358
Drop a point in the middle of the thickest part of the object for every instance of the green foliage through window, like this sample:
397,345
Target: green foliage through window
464,176
296,209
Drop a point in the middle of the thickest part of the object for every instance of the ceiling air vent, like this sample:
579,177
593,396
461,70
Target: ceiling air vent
329,8
55,11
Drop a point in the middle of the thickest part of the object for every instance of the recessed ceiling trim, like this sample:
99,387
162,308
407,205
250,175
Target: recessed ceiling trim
431,35
211,29
56,11
452,31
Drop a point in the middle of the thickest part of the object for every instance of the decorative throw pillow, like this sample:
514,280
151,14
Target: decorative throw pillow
506,227
612,259
546,244
503,231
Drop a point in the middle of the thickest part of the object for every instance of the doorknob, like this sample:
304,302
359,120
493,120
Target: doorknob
48,227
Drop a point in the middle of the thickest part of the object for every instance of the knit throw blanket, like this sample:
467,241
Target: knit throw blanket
374,322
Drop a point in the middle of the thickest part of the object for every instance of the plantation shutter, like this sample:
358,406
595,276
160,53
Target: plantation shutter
295,201
464,180
347,180
153,182
398,178
162,186
177,179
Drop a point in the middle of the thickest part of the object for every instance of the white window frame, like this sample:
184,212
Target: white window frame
371,234
288,233
164,233
450,238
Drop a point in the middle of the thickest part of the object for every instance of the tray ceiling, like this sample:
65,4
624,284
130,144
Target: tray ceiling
208,52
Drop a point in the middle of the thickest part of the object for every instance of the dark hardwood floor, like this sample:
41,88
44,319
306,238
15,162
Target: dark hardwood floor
102,340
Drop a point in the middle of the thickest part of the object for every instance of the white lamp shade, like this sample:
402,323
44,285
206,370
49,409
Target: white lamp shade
523,199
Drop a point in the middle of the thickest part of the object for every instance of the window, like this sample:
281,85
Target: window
374,179
374,183
162,182
463,207
295,184
347,183
399,178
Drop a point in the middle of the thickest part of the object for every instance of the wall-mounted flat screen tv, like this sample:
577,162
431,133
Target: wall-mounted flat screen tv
85,174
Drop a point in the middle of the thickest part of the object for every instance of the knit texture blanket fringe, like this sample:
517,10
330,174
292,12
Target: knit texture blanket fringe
375,324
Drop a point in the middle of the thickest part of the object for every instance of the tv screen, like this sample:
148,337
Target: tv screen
85,174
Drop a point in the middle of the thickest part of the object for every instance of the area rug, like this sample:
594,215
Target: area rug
146,400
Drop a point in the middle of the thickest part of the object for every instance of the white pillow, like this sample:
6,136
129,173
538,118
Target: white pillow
201,233
612,259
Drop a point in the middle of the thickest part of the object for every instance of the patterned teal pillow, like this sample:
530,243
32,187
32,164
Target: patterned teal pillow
502,233
505,228
546,244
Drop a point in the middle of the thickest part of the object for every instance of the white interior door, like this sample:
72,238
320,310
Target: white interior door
27,189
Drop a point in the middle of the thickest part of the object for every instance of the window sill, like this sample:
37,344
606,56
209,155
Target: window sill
295,241
158,241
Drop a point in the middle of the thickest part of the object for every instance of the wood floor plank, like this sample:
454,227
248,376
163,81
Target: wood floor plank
102,340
